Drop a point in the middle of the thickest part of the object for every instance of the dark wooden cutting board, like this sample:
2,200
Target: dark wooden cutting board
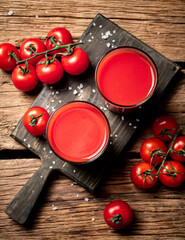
101,36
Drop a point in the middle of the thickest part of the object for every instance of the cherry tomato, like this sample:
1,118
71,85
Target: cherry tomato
153,150
178,149
49,71
118,214
58,36
29,46
35,120
7,61
173,174
165,127
76,63
24,79
142,175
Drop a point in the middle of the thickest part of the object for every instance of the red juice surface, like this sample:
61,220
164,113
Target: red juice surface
78,132
126,76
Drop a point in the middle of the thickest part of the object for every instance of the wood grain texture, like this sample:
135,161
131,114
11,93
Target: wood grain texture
158,213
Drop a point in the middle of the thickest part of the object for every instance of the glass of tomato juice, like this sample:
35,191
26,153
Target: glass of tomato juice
126,77
78,132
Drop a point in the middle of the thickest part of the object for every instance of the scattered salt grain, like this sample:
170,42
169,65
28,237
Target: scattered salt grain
53,109
75,92
89,40
75,183
41,177
90,33
108,45
60,101
44,149
69,88
77,195
105,109
24,140
140,107
47,106
111,135
80,86
115,135
101,107
106,35
36,16
86,199
74,171
122,118
50,152
130,124
94,24
93,90
114,31
92,37
52,93
52,100
113,40
81,90
10,13
158,33
57,92
110,143
81,97
134,127
29,145
46,11
50,167
54,162
100,26
137,120
54,208
93,219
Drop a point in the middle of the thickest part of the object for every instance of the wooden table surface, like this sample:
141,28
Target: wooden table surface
159,213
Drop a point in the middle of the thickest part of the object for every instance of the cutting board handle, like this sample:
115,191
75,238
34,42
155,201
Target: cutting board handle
21,206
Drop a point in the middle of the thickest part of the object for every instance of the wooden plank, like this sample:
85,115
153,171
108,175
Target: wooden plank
158,212
159,25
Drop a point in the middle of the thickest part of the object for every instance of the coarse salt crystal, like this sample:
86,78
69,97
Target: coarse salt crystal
86,199
114,31
74,171
36,16
54,207
44,149
105,109
115,135
113,40
60,101
90,33
92,37
50,167
81,97
81,90
89,40
41,177
47,106
46,11
29,145
52,100
77,195
57,92
130,124
54,162
50,152
122,118
137,120
75,92
24,140
100,26
108,45
93,90
10,13
94,24
134,127
111,135
93,219
52,93
69,88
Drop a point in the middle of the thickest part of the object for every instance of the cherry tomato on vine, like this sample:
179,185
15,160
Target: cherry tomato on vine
118,214
35,120
172,174
76,63
58,36
165,127
7,53
24,77
29,47
49,70
178,149
142,175
153,150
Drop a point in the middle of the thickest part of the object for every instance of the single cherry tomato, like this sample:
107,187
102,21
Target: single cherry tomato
24,77
58,36
143,175
7,59
118,214
49,70
178,149
165,127
153,150
29,47
76,63
35,120
172,174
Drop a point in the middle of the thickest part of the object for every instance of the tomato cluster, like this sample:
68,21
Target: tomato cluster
155,152
46,62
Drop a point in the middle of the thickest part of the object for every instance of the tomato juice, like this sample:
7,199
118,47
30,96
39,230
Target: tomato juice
78,132
126,77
